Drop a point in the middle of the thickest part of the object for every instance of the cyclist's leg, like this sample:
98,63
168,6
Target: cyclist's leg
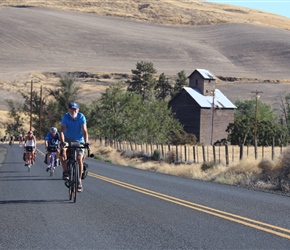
26,156
63,158
48,156
80,157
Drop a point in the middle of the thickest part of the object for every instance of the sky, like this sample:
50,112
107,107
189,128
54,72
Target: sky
281,7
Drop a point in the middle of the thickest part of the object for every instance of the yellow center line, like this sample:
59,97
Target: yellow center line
279,231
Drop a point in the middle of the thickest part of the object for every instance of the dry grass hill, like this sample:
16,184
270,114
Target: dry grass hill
105,39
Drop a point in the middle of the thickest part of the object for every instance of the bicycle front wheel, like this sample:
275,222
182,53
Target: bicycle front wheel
51,165
70,180
76,178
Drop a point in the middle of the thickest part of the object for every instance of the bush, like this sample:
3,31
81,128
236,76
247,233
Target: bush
156,155
208,165
170,157
183,138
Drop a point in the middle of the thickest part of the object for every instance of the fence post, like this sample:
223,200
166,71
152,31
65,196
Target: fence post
227,154
241,151
213,151
273,148
185,154
256,150
162,151
176,153
193,151
203,153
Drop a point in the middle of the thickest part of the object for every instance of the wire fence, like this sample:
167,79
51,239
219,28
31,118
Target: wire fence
225,154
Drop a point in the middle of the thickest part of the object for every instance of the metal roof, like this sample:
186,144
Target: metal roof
206,74
220,100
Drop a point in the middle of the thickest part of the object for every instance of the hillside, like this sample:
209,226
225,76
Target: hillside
107,38
176,12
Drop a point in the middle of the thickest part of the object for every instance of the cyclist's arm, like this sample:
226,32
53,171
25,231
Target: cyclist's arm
34,141
85,132
62,129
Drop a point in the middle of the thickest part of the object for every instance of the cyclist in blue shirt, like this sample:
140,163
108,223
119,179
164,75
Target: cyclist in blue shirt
51,145
73,129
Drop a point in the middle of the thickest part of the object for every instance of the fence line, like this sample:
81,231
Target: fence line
198,153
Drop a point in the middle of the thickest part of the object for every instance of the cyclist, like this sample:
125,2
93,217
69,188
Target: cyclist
11,140
73,129
30,146
20,140
51,145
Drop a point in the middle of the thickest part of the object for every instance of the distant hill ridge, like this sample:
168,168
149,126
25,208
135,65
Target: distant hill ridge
177,12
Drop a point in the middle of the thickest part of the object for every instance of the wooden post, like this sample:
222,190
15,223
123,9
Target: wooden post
194,157
256,150
176,153
227,154
241,151
185,154
213,151
273,148
203,153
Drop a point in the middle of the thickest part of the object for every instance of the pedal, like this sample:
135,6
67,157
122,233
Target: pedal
66,183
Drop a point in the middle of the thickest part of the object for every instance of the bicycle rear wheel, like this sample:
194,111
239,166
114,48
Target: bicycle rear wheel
76,177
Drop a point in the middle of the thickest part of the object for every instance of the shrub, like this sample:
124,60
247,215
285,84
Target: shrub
208,165
170,157
156,155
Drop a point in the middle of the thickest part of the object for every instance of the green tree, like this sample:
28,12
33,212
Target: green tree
16,125
181,82
162,88
123,115
242,130
68,92
143,80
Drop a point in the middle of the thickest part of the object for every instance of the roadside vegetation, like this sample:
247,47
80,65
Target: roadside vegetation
138,111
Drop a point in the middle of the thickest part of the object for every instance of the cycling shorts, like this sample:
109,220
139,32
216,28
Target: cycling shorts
29,148
52,149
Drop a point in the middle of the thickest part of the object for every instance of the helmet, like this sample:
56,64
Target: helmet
53,129
20,135
30,132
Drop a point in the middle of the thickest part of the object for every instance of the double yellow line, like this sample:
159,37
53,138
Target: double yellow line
279,231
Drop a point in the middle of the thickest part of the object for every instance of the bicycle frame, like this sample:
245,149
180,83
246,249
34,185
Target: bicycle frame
52,163
30,160
73,168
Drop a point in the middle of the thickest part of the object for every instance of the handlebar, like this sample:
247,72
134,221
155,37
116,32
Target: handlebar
76,145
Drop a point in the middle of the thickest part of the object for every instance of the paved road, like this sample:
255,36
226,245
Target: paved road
46,40
126,208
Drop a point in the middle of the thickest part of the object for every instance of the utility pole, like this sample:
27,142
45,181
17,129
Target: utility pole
212,117
31,106
256,113
40,111
256,122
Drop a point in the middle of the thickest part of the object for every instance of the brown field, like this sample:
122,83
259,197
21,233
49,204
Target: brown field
107,38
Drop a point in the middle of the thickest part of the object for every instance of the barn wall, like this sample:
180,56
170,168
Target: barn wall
222,118
187,111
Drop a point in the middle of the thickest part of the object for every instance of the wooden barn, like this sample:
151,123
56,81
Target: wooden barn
202,109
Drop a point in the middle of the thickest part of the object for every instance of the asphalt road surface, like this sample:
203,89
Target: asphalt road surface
127,208
47,40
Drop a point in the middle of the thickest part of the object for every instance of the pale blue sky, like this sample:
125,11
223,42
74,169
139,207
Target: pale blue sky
278,7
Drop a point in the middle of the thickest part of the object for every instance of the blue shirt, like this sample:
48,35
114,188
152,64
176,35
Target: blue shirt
52,140
73,129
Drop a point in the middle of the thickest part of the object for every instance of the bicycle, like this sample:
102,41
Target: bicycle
73,168
53,162
30,158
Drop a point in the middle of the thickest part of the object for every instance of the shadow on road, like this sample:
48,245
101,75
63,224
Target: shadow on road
33,201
